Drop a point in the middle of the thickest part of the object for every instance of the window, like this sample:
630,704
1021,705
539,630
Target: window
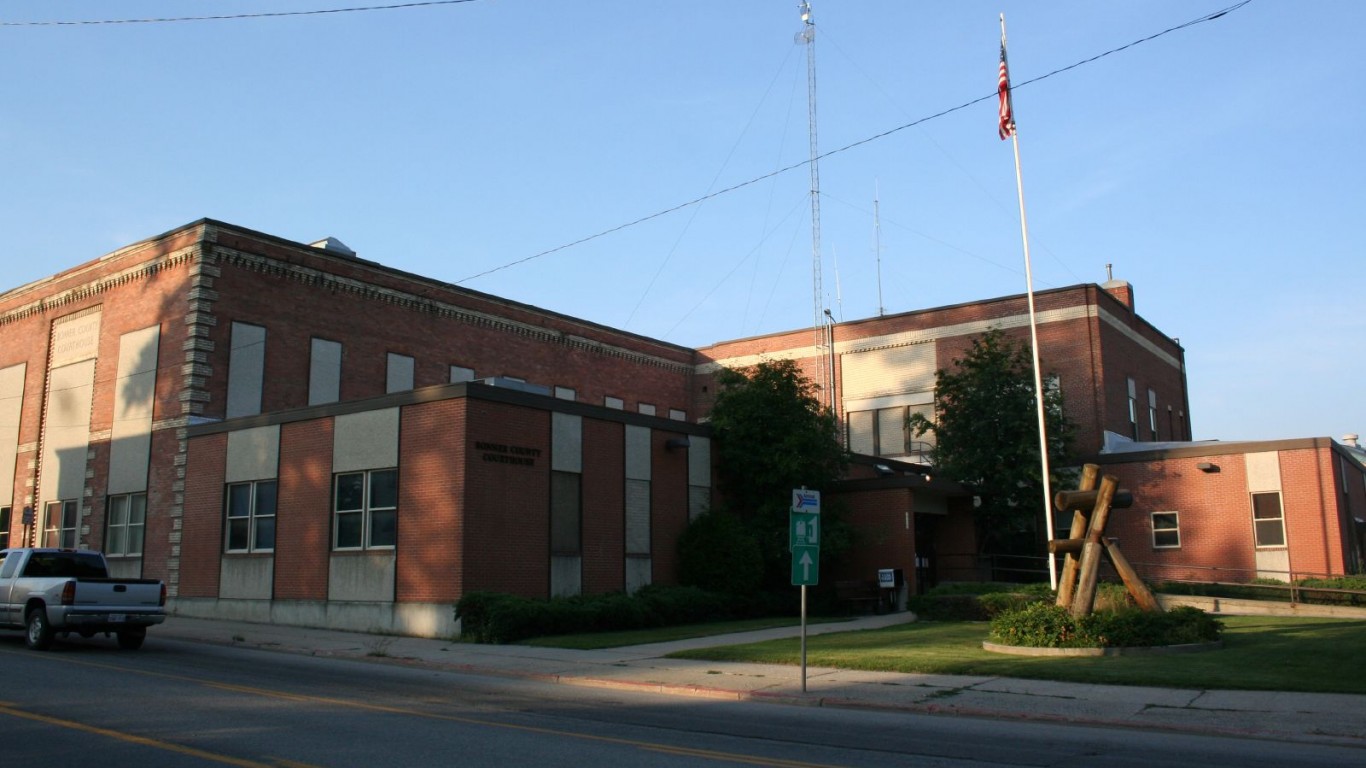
646,408
565,513
1133,409
1152,413
613,402
566,393
366,508
1268,523
251,516
1166,530
126,521
885,432
4,527
460,373
59,529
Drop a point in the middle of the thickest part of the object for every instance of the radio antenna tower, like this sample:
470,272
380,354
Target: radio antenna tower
808,37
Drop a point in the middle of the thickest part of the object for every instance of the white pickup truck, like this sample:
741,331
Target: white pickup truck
50,591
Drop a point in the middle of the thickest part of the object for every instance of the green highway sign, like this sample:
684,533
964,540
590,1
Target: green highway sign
806,566
804,530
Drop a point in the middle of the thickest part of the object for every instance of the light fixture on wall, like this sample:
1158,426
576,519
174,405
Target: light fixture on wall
1207,467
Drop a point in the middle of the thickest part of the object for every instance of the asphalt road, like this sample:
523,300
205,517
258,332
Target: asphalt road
185,704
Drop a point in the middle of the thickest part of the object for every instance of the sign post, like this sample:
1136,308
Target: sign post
804,540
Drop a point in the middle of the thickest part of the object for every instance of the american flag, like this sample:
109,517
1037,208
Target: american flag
1006,127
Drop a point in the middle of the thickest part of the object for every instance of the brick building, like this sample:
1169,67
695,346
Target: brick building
1283,509
287,431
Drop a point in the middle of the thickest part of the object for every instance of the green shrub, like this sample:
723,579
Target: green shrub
976,600
1042,625
489,617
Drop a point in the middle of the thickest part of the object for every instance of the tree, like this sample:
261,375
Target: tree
772,435
986,431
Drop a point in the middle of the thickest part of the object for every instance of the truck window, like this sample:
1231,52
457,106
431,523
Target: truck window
79,565
8,562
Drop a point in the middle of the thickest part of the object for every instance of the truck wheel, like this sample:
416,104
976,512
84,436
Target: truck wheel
131,639
38,632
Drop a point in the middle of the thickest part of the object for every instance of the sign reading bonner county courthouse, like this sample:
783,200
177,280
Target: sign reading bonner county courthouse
499,453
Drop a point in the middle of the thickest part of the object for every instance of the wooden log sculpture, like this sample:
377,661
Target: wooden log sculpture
1086,543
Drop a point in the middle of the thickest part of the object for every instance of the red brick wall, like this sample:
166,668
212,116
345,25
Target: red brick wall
202,527
507,506
883,538
433,466
1215,508
303,526
604,507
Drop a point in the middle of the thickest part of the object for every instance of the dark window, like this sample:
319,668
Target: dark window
1268,522
4,527
251,516
565,513
126,521
59,529
1166,530
365,505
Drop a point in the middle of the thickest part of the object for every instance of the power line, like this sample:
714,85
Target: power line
227,17
943,113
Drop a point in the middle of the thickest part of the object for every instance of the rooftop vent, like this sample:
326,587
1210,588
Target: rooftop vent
1351,440
333,245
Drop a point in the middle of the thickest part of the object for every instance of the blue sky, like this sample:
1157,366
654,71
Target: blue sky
1216,167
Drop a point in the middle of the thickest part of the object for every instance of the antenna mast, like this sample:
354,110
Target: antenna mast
877,247
808,36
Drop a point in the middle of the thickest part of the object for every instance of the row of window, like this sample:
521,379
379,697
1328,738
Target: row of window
1268,524
246,366
1174,418
364,511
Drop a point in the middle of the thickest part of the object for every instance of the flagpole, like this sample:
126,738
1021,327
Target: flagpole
1033,322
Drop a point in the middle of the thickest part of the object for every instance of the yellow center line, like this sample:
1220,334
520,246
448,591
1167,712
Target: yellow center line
302,698
7,708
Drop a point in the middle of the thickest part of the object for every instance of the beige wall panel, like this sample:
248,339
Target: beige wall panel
892,371
399,375
637,517
637,452
246,578
67,428
134,392
368,577
566,575
253,454
639,572
367,440
11,409
566,443
1263,471
324,372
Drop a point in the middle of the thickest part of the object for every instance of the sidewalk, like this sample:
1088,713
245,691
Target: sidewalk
1316,717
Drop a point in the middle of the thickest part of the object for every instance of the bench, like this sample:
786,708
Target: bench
863,595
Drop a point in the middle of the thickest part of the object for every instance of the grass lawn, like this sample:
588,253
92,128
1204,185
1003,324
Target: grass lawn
1259,653
597,640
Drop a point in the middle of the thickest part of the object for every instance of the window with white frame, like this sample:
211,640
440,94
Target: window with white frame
1166,530
125,521
1268,521
365,505
59,525
251,516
